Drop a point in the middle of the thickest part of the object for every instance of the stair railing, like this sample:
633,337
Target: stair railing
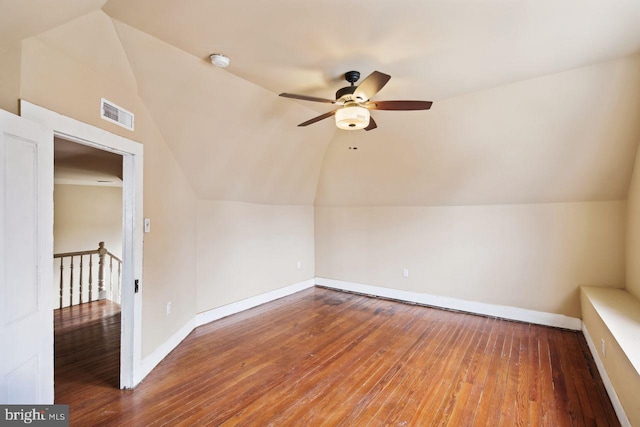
78,288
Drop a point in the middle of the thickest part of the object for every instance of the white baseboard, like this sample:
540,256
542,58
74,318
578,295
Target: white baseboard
615,401
512,313
236,307
152,360
494,310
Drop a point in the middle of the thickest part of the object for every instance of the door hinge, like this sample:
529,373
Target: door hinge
136,286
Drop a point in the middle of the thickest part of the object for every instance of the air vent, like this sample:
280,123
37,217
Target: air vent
115,114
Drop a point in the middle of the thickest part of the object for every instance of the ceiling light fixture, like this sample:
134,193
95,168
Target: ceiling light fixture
219,60
352,117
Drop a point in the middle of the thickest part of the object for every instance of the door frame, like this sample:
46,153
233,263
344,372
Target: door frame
132,224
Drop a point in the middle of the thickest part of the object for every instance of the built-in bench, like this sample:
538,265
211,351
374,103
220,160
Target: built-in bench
611,323
620,312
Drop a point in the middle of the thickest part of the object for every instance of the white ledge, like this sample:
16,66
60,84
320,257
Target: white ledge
620,312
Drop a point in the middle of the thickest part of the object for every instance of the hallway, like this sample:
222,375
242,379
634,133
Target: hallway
87,349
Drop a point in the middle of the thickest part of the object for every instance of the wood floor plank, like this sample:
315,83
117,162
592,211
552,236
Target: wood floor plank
428,372
314,385
522,387
514,383
378,374
448,404
322,357
483,409
561,403
569,398
235,382
441,380
465,411
579,370
413,377
535,391
600,403
548,399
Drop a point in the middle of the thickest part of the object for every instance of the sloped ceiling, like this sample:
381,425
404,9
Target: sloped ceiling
535,101
234,139
26,18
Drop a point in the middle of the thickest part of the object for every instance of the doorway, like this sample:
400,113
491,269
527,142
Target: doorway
87,236
131,152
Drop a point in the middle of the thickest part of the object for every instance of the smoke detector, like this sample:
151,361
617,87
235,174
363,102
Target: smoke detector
219,60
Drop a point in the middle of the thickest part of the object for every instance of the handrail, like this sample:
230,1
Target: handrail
91,252
102,272
113,256
66,254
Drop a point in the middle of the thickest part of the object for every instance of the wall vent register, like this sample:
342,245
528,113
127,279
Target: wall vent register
113,113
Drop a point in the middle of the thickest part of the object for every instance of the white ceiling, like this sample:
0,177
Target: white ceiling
535,101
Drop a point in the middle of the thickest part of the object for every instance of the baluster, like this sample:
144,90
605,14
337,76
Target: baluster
111,277
119,282
61,279
90,277
71,283
81,279
101,253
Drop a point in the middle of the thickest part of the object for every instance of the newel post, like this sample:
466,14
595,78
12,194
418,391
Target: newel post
102,251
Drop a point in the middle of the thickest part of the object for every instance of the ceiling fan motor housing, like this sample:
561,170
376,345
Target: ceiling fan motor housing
351,77
348,90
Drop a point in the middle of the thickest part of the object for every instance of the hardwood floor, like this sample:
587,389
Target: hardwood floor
321,357
87,347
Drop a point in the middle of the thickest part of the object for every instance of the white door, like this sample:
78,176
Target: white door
26,267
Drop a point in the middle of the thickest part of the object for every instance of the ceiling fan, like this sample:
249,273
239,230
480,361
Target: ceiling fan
355,102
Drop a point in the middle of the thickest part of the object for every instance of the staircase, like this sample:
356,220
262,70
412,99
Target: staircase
87,276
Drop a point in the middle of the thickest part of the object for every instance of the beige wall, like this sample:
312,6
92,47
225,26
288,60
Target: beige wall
623,376
633,232
246,249
170,247
10,77
86,215
60,70
527,256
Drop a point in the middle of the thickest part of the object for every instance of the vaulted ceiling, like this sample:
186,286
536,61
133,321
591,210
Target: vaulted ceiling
534,101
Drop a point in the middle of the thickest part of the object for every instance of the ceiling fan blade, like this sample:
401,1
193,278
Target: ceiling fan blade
398,105
317,119
371,85
372,124
307,98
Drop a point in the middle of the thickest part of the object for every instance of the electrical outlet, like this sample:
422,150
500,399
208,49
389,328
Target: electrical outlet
405,272
169,308
604,348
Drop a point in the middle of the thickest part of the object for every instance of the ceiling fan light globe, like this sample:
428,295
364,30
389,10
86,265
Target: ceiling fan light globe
352,118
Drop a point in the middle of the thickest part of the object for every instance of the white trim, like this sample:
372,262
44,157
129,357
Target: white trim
245,304
152,360
86,182
131,151
494,310
608,385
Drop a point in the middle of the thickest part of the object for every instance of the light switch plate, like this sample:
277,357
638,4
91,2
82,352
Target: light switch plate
147,225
